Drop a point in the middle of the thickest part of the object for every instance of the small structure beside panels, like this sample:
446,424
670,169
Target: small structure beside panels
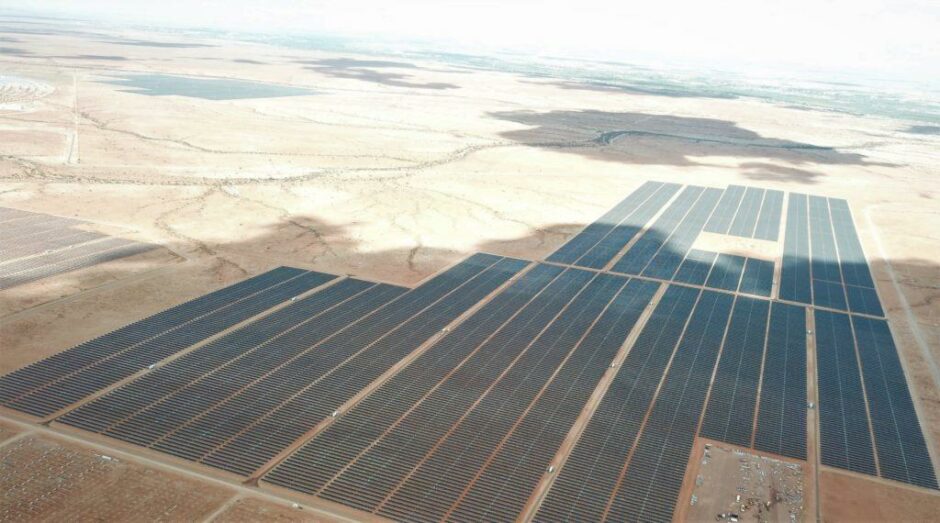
459,399
34,246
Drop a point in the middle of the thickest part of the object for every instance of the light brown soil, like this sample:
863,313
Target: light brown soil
853,498
45,480
732,481
7,431
249,510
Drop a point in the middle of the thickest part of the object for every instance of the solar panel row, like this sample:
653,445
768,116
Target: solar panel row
589,477
720,222
781,415
758,277
36,246
845,438
795,270
109,370
25,270
674,249
373,346
745,220
899,439
585,240
638,257
859,286
837,270
512,474
608,248
425,475
310,468
768,222
731,405
45,241
51,370
650,487
144,409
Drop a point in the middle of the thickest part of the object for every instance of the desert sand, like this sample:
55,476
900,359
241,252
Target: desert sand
391,169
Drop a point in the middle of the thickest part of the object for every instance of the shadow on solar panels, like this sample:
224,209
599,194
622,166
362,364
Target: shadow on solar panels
657,139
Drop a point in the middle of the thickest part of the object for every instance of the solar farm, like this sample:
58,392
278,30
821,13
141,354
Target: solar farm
37,246
571,388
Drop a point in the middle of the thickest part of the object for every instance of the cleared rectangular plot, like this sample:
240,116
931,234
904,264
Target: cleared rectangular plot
109,370
768,222
472,408
695,268
438,482
370,349
795,271
503,488
58,366
730,413
650,487
746,218
640,254
608,248
720,222
845,438
781,418
209,374
311,467
758,277
726,272
590,476
576,247
670,256
899,440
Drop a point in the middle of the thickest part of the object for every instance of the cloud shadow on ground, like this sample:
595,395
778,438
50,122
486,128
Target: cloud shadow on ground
659,139
365,71
602,87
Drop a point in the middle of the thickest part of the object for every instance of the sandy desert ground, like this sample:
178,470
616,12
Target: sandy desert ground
392,169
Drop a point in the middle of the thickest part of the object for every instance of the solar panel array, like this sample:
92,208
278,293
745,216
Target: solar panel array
469,439
453,400
37,246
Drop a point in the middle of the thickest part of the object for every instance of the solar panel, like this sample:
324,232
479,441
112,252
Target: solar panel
795,270
746,218
589,477
768,223
899,439
730,413
695,268
640,254
726,272
667,260
720,222
781,418
845,438
63,364
758,277
585,240
650,486
608,248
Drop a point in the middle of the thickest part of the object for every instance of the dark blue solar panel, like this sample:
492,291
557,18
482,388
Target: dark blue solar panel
726,272
768,223
720,222
795,271
902,451
730,413
758,277
695,268
781,418
845,437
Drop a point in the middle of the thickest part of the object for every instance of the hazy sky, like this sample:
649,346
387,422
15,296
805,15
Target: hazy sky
890,38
